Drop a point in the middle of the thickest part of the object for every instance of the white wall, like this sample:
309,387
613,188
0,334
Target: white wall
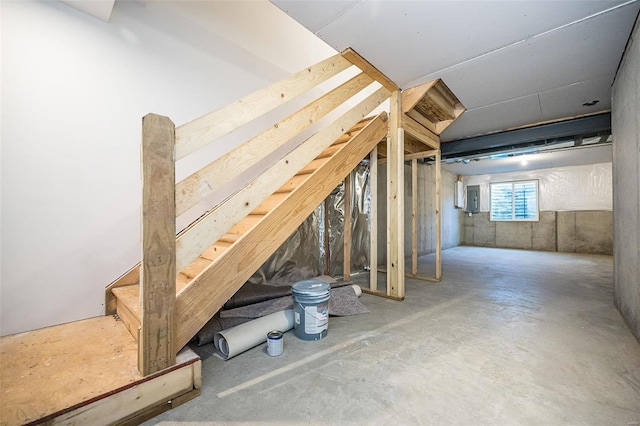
74,90
570,188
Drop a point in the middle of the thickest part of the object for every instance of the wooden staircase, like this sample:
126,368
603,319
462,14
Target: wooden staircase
184,279
205,284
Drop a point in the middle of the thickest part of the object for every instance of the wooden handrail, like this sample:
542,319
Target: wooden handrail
221,171
201,131
198,302
164,321
220,219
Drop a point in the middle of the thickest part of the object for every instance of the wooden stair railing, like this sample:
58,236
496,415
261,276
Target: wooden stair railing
239,253
215,255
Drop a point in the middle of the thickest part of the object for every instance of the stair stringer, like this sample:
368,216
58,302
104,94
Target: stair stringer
204,296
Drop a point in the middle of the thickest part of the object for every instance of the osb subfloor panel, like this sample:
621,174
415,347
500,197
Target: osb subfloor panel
49,370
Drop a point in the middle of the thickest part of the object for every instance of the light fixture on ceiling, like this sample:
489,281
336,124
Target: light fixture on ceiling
524,162
591,103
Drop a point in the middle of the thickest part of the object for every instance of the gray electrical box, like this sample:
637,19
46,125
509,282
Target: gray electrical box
473,199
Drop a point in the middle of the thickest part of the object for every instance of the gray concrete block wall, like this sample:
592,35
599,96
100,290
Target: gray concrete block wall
626,184
573,232
543,233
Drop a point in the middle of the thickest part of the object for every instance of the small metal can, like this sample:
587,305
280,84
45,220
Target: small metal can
275,340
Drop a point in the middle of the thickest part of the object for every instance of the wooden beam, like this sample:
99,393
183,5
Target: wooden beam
433,105
204,130
423,278
347,229
220,219
199,301
357,60
421,155
420,132
381,294
413,95
438,218
157,349
223,170
414,216
414,276
327,245
395,200
373,220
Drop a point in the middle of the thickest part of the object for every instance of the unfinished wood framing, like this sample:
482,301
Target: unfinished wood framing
157,349
432,105
420,132
395,200
357,60
326,241
414,213
204,130
347,229
381,294
204,296
223,170
201,235
373,220
414,216
428,110
438,217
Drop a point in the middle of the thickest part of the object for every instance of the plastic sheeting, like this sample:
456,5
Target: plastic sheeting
360,208
302,255
571,188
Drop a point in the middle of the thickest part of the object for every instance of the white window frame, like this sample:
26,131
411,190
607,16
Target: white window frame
513,219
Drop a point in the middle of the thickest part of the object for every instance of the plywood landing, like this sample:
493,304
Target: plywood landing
84,372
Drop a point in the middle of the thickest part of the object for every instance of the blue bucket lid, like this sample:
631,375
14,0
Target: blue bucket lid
310,287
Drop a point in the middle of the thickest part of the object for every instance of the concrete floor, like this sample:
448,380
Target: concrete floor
507,337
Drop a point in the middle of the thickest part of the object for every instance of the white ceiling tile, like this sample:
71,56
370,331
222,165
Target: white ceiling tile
502,116
488,52
581,52
412,38
567,101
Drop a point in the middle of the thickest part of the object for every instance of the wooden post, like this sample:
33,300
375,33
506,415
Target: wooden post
347,228
395,199
157,333
414,216
327,245
373,220
438,218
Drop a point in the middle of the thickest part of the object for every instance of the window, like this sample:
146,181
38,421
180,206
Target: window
514,200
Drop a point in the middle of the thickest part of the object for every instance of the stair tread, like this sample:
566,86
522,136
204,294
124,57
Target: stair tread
129,295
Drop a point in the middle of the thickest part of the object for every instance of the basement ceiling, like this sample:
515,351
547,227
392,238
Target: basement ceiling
511,63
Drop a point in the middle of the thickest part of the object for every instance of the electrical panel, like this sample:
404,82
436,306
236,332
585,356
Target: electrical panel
473,198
